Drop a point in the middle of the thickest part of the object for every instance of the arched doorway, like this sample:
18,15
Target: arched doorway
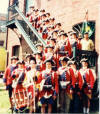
82,27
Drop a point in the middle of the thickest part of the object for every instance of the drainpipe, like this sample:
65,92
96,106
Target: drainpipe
7,33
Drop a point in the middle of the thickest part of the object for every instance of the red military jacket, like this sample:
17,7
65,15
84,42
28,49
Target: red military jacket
87,77
18,77
7,75
49,56
48,78
66,47
40,66
76,79
64,76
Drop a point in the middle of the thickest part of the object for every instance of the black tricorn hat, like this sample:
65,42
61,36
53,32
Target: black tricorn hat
39,44
66,59
55,31
53,39
84,60
74,33
49,60
21,62
28,55
14,58
49,46
38,53
64,34
70,32
71,62
59,24
31,6
43,10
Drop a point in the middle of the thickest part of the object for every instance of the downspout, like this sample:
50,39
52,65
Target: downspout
7,34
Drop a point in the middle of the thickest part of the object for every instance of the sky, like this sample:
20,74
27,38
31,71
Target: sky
3,6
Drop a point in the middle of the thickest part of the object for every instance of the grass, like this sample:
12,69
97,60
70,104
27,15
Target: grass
4,102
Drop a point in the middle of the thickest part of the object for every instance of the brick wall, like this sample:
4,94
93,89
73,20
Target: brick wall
13,38
71,12
3,38
68,12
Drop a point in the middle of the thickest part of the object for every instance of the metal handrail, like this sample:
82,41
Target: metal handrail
26,37
31,27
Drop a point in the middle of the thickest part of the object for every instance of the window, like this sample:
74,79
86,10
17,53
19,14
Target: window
15,51
91,26
1,43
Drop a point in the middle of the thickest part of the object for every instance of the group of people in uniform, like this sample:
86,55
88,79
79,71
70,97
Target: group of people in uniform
49,78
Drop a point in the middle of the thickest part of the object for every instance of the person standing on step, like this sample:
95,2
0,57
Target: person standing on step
76,87
49,87
88,82
64,78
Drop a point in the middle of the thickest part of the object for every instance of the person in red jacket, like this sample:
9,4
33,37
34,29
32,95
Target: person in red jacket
49,87
88,83
50,55
8,79
39,62
19,91
39,47
63,47
33,90
64,85
76,86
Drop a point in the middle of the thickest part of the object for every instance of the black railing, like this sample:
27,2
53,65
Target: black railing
90,55
15,13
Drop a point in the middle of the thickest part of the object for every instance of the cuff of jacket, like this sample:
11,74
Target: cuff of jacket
4,80
55,93
71,88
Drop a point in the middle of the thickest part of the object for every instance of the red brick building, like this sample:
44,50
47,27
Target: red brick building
3,30
68,12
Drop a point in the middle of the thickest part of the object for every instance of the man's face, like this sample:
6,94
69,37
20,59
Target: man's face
50,50
13,61
58,27
73,36
32,64
40,48
84,64
63,63
20,65
38,56
28,59
48,65
86,36
31,9
52,42
54,34
63,37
